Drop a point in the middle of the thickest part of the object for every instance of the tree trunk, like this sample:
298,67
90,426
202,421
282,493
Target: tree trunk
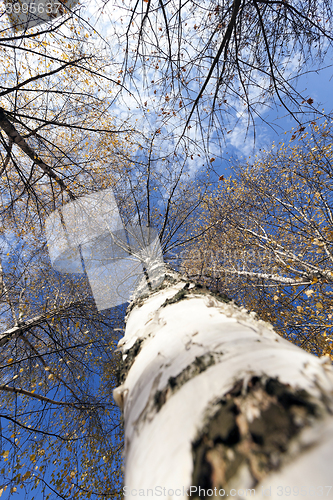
213,398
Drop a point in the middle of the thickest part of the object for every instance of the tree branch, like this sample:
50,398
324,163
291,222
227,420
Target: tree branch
17,139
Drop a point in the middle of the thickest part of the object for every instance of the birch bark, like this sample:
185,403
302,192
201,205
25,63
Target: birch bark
214,398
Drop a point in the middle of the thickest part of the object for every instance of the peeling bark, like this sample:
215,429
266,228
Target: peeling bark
254,431
214,398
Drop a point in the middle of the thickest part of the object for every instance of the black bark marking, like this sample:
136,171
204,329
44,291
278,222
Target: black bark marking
160,397
231,439
171,278
178,297
124,365
195,290
199,365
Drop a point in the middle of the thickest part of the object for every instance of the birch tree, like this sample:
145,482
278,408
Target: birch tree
290,383
270,239
214,399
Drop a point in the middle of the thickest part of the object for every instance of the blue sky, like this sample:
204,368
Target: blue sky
317,85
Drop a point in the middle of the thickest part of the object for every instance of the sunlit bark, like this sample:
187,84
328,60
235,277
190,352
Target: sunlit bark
213,397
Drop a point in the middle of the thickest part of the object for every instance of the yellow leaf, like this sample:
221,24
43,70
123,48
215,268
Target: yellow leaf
5,454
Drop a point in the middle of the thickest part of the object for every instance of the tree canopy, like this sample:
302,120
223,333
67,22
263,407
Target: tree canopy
270,235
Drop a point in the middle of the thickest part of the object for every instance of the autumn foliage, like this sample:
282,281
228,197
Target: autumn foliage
269,239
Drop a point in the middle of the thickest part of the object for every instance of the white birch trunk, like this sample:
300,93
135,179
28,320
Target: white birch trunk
212,397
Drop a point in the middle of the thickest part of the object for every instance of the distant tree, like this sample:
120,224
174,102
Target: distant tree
60,431
270,235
